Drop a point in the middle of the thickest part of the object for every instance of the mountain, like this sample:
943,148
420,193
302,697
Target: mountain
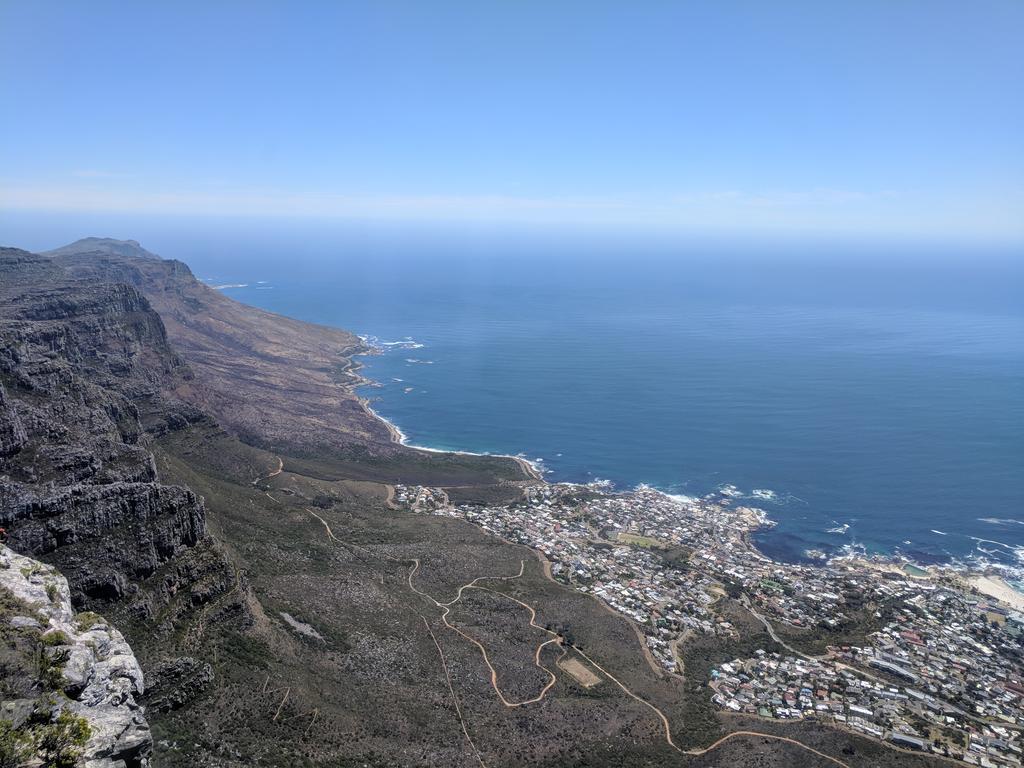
274,381
86,374
104,245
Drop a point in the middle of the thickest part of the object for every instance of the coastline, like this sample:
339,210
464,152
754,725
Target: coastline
532,471
986,578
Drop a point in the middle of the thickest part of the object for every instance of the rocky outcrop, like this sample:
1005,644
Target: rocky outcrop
104,536
88,378
95,676
110,330
175,683
12,431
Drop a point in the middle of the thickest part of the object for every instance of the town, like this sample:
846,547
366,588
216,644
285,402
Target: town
940,669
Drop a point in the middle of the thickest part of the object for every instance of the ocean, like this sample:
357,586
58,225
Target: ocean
868,398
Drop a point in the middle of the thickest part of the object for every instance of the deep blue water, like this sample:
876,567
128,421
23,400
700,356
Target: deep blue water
883,391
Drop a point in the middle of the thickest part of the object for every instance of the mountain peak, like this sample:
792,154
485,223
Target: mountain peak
105,245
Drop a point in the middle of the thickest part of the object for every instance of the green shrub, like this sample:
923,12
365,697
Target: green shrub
60,743
15,746
87,620
51,657
53,639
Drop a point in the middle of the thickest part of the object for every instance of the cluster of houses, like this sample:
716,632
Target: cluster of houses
895,706
943,673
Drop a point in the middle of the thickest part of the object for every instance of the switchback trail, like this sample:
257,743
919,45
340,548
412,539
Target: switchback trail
446,609
440,652
275,473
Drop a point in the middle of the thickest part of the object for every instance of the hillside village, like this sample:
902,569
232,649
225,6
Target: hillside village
941,669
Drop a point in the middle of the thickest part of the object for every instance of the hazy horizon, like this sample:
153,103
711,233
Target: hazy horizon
875,120
177,236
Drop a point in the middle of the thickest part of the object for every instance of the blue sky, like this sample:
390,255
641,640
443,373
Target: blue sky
870,117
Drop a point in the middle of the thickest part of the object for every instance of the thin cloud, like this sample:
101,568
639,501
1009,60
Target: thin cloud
256,202
822,209
786,198
96,173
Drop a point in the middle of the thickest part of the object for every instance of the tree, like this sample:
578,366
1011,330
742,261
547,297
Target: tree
733,589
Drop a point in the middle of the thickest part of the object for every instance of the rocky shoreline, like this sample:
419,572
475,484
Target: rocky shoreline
529,468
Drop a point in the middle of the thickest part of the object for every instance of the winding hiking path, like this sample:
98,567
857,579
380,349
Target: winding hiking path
446,610
758,734
275,473
451,689
555,638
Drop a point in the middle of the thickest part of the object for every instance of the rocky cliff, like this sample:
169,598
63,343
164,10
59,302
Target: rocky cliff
81,364
87,380
71,682
246,358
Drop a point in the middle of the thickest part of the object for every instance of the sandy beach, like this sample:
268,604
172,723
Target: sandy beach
993,586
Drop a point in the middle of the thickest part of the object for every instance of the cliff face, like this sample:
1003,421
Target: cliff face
87,379
70,679
12,431
108,536
80,364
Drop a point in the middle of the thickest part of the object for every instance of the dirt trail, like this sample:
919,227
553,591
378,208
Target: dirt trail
644,649
758,734
451,689
275,473
446,609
